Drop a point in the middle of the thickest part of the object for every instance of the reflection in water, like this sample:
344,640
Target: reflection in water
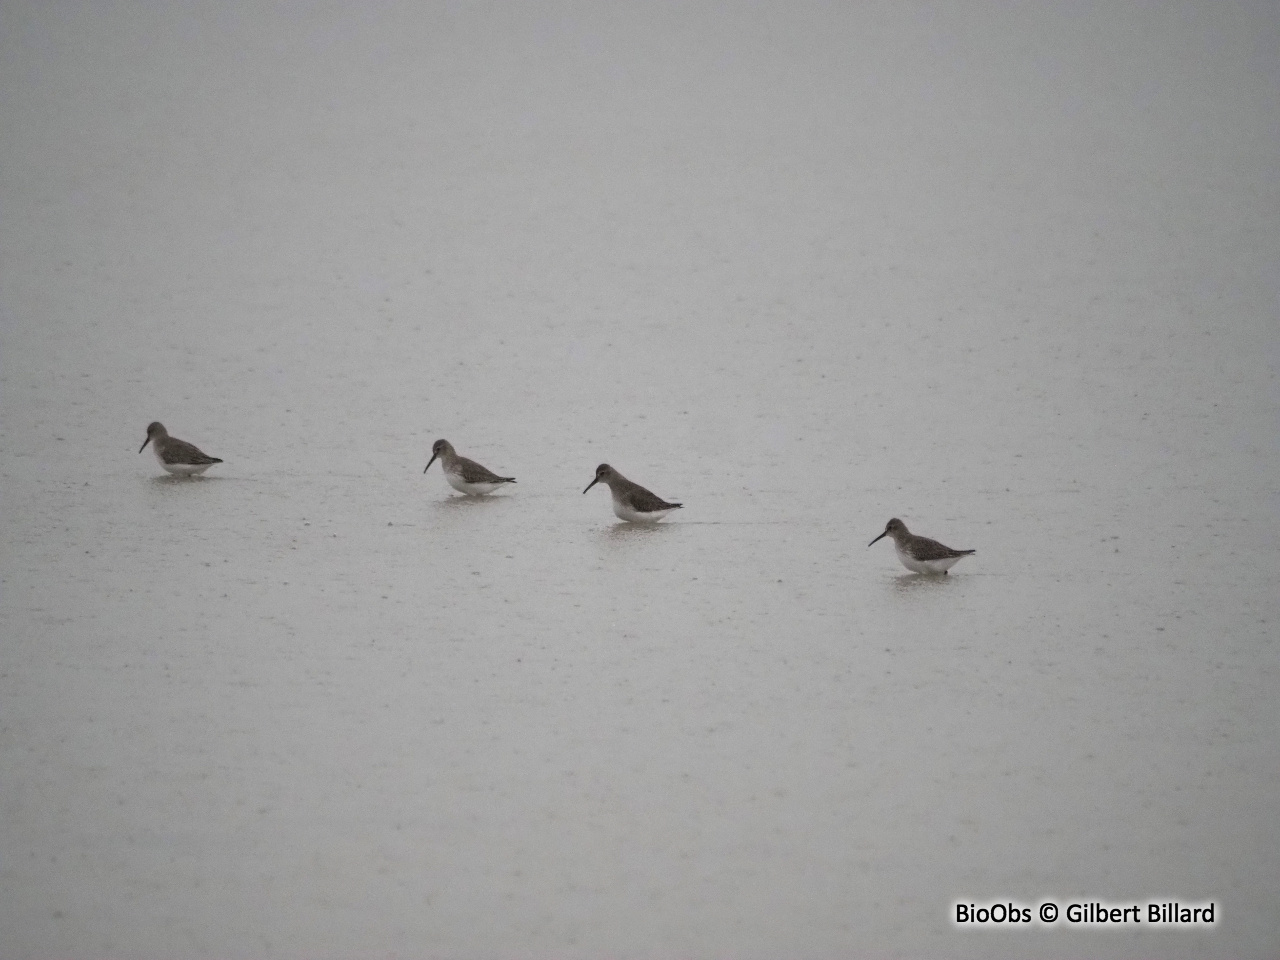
911,582
628,532
463,502
175,481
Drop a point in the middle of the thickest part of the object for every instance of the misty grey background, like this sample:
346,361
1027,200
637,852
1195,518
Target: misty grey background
1006,271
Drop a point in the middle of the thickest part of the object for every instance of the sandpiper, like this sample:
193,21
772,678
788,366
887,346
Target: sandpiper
465,476
176,456
920,554
630,500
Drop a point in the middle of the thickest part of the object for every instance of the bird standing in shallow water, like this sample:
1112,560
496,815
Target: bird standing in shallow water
176,456
920,554
465,476
631,501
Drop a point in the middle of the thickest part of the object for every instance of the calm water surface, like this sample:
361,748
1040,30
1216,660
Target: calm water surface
1009,278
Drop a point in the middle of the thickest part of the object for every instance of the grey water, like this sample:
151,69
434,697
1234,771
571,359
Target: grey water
1007,272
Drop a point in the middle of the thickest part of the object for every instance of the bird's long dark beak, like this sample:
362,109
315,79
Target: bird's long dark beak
592,484
881,537
429,463
144,444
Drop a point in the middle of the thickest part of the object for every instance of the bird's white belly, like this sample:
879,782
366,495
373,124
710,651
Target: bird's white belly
183,469
926,566
623,511
470,489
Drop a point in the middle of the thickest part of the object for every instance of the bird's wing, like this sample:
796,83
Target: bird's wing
922,548
646,502
472,472
179,451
